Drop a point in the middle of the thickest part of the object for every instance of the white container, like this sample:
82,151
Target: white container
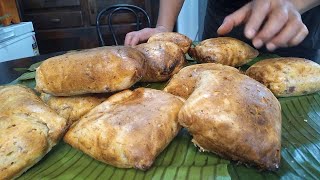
188,19
191,19
17,41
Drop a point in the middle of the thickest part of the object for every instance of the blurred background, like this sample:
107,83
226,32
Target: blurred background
32,27
191,19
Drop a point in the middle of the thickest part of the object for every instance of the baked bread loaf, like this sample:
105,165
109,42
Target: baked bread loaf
179,39
182,84
72,108
129,129
163,59
236,117
28,130
223,50
287,76
98,70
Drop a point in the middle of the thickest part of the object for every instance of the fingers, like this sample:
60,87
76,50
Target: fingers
136,37
275,23
299,37
290,31
282,27
260,11
128,38
234,19
134,41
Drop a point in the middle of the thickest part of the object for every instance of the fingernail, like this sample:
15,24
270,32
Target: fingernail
271,47
251,33
257,43
224,20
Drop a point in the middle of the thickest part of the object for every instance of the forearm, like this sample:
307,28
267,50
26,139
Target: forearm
304,5
168,13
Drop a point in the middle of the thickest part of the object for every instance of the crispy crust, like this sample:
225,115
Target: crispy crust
72,108
129,129
181,40
236,117
223,50
163,59
182,84
287,76
98,70
28,132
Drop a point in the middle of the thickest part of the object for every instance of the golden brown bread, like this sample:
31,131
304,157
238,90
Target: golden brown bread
182,84
28,130
287,76
223,50
23,143
234,116
72,108
181,40
98,70
129,129
163,59
18,99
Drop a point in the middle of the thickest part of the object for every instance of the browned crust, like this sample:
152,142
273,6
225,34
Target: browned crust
224,50
287,76
129,129
72,108
181,40
98,70
163,59
28,130
182,84
236,117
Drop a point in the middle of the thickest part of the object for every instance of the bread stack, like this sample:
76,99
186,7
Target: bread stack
77,86
93,105
28,130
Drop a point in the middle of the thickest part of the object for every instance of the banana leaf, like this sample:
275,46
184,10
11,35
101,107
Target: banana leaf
20,69
33,67
300,154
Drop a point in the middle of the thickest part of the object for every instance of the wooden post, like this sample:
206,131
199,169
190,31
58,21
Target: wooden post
8,12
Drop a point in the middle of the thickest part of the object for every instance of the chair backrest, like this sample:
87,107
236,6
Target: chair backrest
111,10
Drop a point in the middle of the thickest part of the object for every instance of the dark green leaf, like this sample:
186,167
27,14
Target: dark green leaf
20,69
180,160
26,76
31,83
257,59
158,86
195,43
26,79
262,57
33,67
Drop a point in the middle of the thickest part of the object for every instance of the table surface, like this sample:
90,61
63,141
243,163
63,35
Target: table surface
7,69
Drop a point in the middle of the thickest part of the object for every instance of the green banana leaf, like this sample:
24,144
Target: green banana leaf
34,66
181,159
20,69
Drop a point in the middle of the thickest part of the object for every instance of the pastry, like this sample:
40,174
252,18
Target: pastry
223,50
287,76
129,129
98,70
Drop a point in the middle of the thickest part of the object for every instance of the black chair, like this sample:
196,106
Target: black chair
111,10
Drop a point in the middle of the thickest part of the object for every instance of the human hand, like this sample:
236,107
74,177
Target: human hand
275,23
135,37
